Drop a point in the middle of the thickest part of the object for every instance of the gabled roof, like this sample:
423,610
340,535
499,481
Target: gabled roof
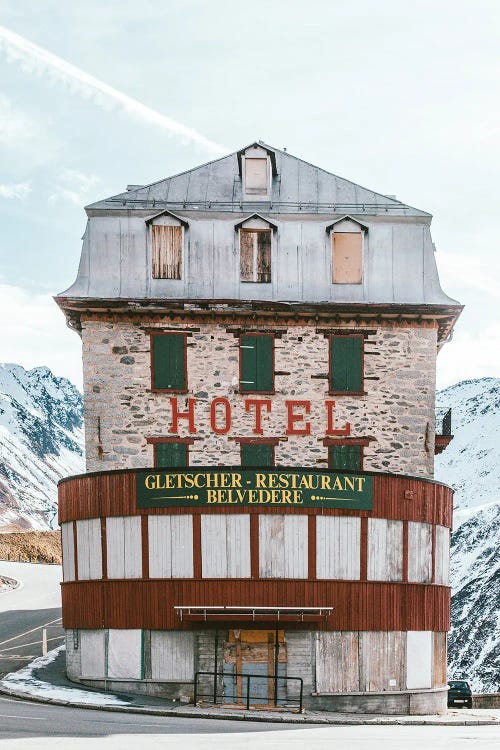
167,213
255,216
258,144
298,186
344,218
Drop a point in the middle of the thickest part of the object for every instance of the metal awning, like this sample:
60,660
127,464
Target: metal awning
253,614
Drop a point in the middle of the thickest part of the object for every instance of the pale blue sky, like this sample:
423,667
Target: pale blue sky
401,97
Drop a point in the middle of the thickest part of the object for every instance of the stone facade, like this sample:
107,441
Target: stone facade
396,413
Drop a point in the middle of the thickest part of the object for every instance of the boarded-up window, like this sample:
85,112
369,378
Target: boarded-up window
345,457
168,362
167,252
171,455
256,364
346,364
256,176
257,454
347,257
255,255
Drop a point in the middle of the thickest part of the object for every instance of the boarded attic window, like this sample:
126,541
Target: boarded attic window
256,182
255,255
347,257
167,252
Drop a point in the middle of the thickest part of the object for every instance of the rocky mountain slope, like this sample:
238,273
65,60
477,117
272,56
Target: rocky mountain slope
41,440
471,464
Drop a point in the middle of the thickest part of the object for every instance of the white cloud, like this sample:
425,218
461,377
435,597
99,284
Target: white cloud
15,127
469,355
18,190
37,334
40,62
75,187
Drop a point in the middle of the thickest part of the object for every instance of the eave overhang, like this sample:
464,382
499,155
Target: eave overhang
253,312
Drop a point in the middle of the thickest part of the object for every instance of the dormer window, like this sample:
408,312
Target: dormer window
167,241
256,241
257,166
256,176
347,242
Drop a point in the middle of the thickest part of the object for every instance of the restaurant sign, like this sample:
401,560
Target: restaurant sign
182,488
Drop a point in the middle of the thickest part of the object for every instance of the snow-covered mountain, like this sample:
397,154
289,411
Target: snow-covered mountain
471,464
41,440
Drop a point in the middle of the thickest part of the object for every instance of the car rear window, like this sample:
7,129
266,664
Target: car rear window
458,684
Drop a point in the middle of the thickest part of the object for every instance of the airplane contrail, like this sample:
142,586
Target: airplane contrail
38,61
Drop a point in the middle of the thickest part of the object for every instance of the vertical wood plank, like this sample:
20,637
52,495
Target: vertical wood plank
145,546
363,573
197,566
254,545
405,551
311,546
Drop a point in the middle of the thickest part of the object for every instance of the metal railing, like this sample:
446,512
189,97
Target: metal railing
443,421
214,693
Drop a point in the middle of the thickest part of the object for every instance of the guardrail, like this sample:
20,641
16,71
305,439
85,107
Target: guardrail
246,695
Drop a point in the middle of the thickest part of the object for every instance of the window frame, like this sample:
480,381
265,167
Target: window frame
181,265
154,441
240,364
154,389
362,391
257,196
362,232
258,442
347,444
260,230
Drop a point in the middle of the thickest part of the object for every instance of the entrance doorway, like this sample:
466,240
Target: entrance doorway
253,661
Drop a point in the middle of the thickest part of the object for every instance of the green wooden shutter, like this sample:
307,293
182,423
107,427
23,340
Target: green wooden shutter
256,454
344,457
256,363
168,362
171,455
346,364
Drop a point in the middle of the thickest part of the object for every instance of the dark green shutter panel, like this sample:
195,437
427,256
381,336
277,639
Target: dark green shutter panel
345,457
171,455
256,363
168,362
346,364
256,455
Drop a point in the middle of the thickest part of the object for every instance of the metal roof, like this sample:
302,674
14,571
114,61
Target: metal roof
297,186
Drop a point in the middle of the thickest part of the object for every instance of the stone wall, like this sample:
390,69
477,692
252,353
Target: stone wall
396,412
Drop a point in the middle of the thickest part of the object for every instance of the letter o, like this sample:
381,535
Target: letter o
227,416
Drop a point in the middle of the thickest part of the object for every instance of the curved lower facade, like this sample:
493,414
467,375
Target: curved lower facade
354,601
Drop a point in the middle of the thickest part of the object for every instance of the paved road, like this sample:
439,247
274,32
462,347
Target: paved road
24,611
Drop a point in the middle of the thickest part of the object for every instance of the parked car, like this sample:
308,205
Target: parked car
460,693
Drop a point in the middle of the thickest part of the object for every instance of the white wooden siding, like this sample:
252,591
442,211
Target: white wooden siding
283,546
442,555
170,546
337,662
338,547
124,547
385,550
419,552
93,653
225,546
89,551
68,551
382,660
419,659
125,654
172,655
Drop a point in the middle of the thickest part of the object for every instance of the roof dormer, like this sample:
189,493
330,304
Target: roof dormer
257,165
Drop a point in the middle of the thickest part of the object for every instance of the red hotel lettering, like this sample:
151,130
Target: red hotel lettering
227,415
177,415
259,404
292,418
330,421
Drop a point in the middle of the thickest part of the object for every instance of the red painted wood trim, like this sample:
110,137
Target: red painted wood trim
75,550
433,579
357,605
311,547
197,571
405,551
145,546
254,546
113,494
104,550
363,550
